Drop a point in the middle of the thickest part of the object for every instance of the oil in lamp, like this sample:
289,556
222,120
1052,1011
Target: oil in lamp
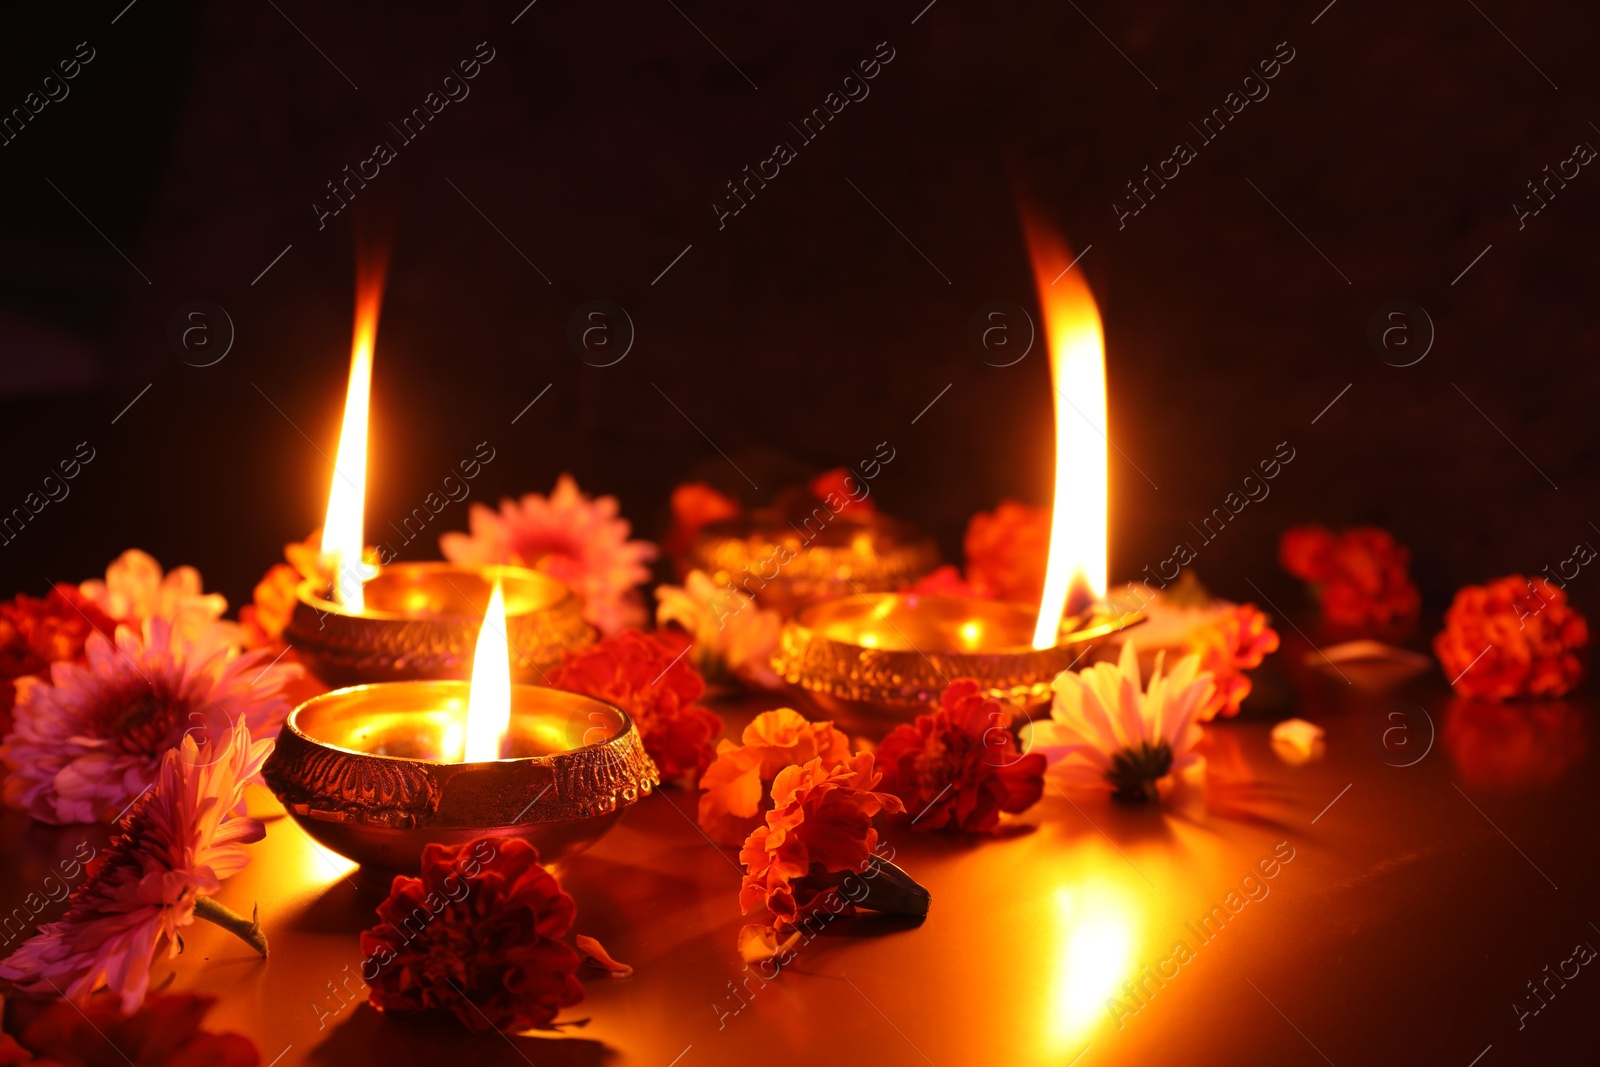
375,772
876,659
365,622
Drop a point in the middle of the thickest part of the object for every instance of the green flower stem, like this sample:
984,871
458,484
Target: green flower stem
247,930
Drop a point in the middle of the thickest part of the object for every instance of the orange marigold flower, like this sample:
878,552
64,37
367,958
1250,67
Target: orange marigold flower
265,618
483,924
1007,550
1230,642
959,768
735,787
1514,637
820,825
835,486
694,506
1360,575
36,632
647,675
165,1031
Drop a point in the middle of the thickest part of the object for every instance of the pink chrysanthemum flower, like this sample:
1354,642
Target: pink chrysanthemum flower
574,538
175,846
87,742
136,589
1104,728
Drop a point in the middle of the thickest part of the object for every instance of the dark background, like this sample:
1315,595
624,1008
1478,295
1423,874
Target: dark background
809,329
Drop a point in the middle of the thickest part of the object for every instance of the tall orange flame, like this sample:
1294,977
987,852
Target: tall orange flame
341,529
1076,573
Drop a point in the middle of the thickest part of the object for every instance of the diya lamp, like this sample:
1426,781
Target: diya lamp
376,772
362,621
876,659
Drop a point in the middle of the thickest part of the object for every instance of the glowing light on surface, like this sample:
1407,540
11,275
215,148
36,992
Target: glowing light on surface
1096,932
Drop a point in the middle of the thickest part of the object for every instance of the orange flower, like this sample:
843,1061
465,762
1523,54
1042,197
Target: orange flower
1229,643
835,486
695,505
1360,575
264,620
1497,745
945,581
647,676
959,768
820,825
1515,637
1007,550
735,787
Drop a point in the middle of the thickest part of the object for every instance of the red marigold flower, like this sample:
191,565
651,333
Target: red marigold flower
35,633
1230,642
475,935
834,486
1007,550
695,505
959,768
264,619
945,581
820,825
165,1031
647,676
1360,575
1515,637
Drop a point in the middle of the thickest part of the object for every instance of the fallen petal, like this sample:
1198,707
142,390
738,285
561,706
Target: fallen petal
1297,741
595,955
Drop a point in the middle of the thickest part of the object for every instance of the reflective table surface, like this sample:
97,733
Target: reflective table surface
1389,902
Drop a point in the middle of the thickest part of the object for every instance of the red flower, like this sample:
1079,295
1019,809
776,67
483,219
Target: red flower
835,488
1229,643
1007,550
1515,637
695,505
35,633
166,1031
820,825
1360,575
945,581
648,676
959,768
475,935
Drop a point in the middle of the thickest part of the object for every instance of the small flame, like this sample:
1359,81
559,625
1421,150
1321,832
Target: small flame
489,700
1076,573
341,529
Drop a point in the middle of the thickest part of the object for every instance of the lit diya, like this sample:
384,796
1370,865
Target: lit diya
878,658
366,622
375,772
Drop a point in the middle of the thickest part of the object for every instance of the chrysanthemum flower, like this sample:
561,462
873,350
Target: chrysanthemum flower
959,768
476,935
1361,576
736,785
174,847
1514,637
733,638
89,741
1229,642
1105,728
575,539
646,675
135,589
820,825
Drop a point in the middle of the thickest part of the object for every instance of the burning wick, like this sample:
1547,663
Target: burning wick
489,700
341,529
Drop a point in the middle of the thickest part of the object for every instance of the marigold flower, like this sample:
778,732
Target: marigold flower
695,505
735,787
959,768
476,935
834,487
1007,550
1514,637
36,632
646,676
820,825
1360,575
577,539
172,851
265,618
733,638
1229,642
943,581
166,1032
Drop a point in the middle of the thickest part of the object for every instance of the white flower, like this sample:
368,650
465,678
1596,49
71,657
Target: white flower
731,635
1104,728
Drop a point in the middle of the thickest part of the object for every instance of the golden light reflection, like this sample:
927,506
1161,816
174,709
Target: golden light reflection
341,529
1075,575
489,699
971,632
324,866
1097,936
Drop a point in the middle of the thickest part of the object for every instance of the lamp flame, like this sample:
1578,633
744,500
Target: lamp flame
1076,573
341,529
489,700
